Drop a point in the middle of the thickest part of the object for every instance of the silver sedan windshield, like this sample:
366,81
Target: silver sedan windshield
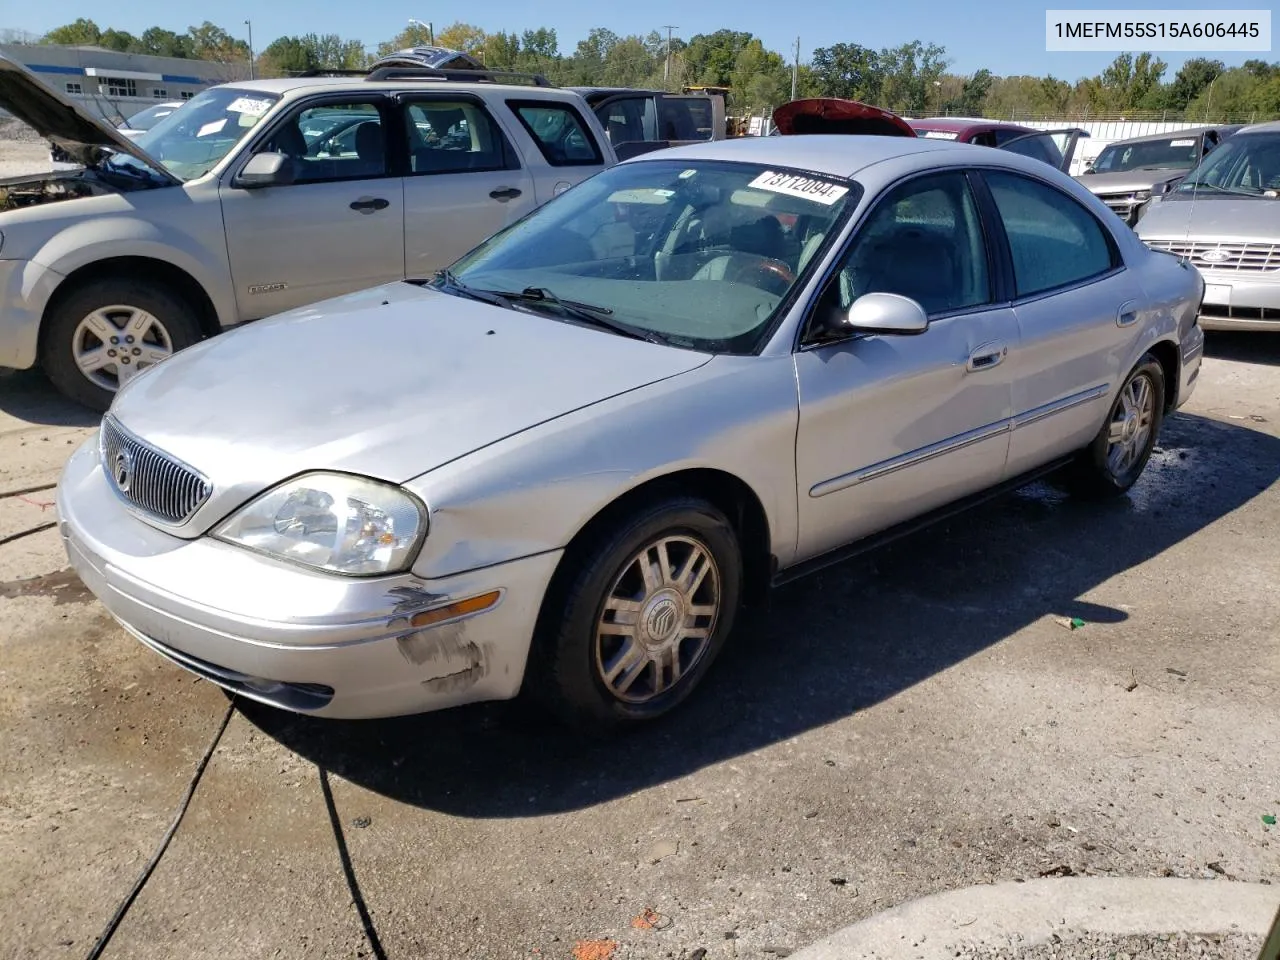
695,253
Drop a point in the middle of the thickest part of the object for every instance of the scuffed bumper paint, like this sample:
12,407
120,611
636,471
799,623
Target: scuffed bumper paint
294,638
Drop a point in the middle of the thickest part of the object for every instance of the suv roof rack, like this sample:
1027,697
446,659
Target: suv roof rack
326,72
411,71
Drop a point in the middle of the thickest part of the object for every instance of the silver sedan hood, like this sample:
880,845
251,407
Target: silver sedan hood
387,383
1212,216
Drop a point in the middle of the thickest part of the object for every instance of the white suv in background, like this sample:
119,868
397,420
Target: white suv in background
261,196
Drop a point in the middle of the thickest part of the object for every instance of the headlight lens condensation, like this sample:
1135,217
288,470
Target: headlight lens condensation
334,522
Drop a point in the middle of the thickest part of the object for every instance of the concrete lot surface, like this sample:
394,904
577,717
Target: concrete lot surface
915,721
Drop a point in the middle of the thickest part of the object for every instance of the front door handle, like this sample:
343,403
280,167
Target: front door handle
987,356
503,194
369,204
1127,315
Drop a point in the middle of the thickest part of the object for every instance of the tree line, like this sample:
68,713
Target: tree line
912,78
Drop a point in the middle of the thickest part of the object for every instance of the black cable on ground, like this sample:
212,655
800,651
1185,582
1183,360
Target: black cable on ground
370,932
26,533
21,490
164,842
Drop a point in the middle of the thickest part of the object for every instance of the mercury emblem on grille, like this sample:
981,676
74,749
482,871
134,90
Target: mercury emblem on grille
122,470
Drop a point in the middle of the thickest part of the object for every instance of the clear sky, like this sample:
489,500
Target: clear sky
1005,36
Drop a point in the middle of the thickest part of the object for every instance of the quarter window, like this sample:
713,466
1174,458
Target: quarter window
454,136
560,133
1055,242
923,240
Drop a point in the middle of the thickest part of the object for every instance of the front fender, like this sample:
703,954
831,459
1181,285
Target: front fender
533,492
90,241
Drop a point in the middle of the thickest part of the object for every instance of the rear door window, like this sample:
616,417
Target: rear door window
685,118
560,132
455,136
629,120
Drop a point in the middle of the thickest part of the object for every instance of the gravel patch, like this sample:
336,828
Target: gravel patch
1179,946
22,150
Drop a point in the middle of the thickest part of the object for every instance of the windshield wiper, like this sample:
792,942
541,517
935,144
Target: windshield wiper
585,312
448,278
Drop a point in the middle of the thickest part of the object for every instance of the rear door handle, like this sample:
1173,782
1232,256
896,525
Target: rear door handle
1127,315
987,356
503,194
369,204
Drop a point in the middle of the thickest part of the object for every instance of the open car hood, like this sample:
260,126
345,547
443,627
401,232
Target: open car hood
832,115
64,124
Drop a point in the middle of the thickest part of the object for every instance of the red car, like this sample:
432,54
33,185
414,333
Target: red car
830,115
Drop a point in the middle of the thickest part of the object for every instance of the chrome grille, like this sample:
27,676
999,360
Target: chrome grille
1119,201
1235,256
150,480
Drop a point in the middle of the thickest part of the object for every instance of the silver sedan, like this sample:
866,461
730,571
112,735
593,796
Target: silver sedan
567,462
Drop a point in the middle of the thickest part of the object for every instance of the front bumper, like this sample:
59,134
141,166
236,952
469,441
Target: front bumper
294,638
1251,302
25,289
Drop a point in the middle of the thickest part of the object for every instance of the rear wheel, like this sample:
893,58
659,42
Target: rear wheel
644,610
100,336
1112,463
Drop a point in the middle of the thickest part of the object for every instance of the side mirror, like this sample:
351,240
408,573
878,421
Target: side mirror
266,170
887,313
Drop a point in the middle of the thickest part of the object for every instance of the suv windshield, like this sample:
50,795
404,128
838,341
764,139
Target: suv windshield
191,141
1176,153
1247,164
693,253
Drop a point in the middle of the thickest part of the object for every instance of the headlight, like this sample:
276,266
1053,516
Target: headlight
333,522
1142,195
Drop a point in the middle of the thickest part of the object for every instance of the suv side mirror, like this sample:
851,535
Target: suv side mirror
887,313
266,170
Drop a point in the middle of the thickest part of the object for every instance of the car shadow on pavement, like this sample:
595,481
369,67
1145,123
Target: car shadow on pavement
829,646
28,395
1243,347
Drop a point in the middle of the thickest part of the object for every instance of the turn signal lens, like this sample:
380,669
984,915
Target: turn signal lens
460,609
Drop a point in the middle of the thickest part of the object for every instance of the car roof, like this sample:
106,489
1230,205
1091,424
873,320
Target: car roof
1173,134
964,124
1269,126
833,154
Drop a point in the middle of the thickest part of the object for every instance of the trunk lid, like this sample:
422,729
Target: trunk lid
833,115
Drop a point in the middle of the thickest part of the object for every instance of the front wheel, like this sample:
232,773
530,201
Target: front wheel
103,334
1112,463
645,609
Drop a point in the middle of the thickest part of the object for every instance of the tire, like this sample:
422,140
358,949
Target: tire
81,324
572,659
1108,468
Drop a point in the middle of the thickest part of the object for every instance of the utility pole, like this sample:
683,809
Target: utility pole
666,71
249,24
431,30
795,70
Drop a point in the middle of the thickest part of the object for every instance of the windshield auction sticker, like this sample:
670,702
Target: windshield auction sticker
1118,31
794,185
